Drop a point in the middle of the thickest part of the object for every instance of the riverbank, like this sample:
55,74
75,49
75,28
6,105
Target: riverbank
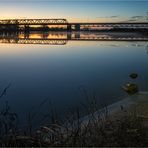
124,123
138,102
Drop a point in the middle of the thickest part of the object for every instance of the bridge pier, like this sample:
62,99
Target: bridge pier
77,35
26,35
77,27
69,36
45,27
69,27
45,35
26,28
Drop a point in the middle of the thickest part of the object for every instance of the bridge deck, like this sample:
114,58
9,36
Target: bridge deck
61,22
62,41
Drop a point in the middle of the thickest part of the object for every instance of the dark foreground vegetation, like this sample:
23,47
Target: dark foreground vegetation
126,129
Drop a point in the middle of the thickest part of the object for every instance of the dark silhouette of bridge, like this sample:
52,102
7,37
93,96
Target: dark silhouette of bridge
62,41
18,25
24,24
58,39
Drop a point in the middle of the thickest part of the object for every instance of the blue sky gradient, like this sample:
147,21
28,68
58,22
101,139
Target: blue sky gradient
76,10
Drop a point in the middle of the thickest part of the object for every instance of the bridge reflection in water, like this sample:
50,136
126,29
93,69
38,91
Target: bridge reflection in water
61,38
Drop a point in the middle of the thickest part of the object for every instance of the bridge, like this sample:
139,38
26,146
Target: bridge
33,22
61,41
33,41
77,26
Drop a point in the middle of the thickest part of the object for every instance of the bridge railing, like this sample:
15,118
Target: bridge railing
33,21
33,41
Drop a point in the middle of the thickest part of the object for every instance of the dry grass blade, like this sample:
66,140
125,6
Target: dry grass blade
4,92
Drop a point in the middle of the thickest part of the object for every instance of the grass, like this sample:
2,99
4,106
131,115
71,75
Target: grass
126,129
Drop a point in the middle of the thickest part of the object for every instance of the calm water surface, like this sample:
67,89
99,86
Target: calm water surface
58,72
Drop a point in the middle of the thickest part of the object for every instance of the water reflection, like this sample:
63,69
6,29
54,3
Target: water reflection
98,61
146,48
61,38
57,72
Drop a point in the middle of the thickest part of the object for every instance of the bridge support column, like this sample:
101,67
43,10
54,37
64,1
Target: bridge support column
26,28
77,27
69,36
77,35
69,27
45,28
26,35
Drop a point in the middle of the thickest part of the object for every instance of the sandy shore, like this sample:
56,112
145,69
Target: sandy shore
137,102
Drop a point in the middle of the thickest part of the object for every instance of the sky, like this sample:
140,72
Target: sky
74,11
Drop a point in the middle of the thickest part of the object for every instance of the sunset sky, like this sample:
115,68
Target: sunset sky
79,10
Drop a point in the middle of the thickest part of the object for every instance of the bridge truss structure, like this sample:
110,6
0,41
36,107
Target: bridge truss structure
33,22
